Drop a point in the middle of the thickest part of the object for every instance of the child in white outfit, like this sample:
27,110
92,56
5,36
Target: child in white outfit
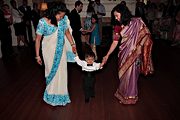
89,67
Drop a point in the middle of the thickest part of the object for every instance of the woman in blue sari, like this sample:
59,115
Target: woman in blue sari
53,29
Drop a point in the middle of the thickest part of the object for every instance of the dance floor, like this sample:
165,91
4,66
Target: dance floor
22,84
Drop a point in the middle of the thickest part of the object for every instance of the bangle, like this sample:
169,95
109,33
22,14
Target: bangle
72,44
37,57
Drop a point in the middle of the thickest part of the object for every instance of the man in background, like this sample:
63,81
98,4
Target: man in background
26,10
75,22
100,11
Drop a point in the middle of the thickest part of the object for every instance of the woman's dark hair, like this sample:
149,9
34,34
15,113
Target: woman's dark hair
78,3
123,2
13,2
53,10
90,7
125,14
95,17
5,5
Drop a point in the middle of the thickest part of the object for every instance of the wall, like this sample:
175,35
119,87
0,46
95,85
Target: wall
108,5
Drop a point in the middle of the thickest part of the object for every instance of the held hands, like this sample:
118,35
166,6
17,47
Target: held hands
73,48
105,58
83,31
101,65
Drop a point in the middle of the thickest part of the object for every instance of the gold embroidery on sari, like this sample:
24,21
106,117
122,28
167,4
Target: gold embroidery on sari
144,46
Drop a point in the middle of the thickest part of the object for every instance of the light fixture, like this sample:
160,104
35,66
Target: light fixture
43,6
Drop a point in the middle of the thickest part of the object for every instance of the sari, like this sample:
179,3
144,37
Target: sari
55,56
134,58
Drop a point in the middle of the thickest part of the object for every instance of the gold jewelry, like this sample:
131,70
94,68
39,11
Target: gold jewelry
72,44
37,57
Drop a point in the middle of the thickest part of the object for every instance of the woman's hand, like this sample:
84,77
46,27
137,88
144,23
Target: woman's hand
111,49
74,48
38,59
105,58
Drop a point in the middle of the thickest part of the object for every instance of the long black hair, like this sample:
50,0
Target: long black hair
125,14
95,17
90,7
53,10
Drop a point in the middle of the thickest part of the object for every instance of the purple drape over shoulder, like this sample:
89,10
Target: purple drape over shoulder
134,58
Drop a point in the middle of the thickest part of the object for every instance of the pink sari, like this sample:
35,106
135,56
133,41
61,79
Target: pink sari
134,58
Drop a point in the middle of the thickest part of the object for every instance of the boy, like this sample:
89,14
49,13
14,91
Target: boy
89,67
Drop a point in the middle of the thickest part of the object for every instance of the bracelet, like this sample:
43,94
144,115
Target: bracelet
72,44
37,57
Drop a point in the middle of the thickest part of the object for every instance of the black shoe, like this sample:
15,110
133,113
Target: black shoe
86,100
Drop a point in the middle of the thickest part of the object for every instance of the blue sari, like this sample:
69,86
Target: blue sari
55,59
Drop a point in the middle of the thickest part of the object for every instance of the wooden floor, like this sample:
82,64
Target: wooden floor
22,85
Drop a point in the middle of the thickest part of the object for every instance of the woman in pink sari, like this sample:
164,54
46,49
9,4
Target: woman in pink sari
134,55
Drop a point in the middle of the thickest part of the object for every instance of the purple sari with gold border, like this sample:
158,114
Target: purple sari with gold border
134,58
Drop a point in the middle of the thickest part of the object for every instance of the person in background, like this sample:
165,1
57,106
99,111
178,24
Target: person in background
87,22
52,29
18,23
176,30
134,55
100,11
7,13
35,15
151,10
123,3
75,22
140,11
5,31
94,34
27,14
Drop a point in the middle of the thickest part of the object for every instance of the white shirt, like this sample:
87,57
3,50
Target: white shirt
99,8
95,66
17,18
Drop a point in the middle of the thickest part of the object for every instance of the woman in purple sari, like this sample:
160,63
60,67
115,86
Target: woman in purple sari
134,55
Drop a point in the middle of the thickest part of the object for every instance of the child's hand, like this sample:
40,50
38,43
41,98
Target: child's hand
81,29
105,58
87,42
83,32
101,65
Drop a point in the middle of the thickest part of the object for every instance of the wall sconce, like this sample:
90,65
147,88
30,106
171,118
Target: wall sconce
43,6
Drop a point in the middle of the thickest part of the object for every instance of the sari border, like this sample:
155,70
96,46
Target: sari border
144,44
56,100
125,100
58,52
